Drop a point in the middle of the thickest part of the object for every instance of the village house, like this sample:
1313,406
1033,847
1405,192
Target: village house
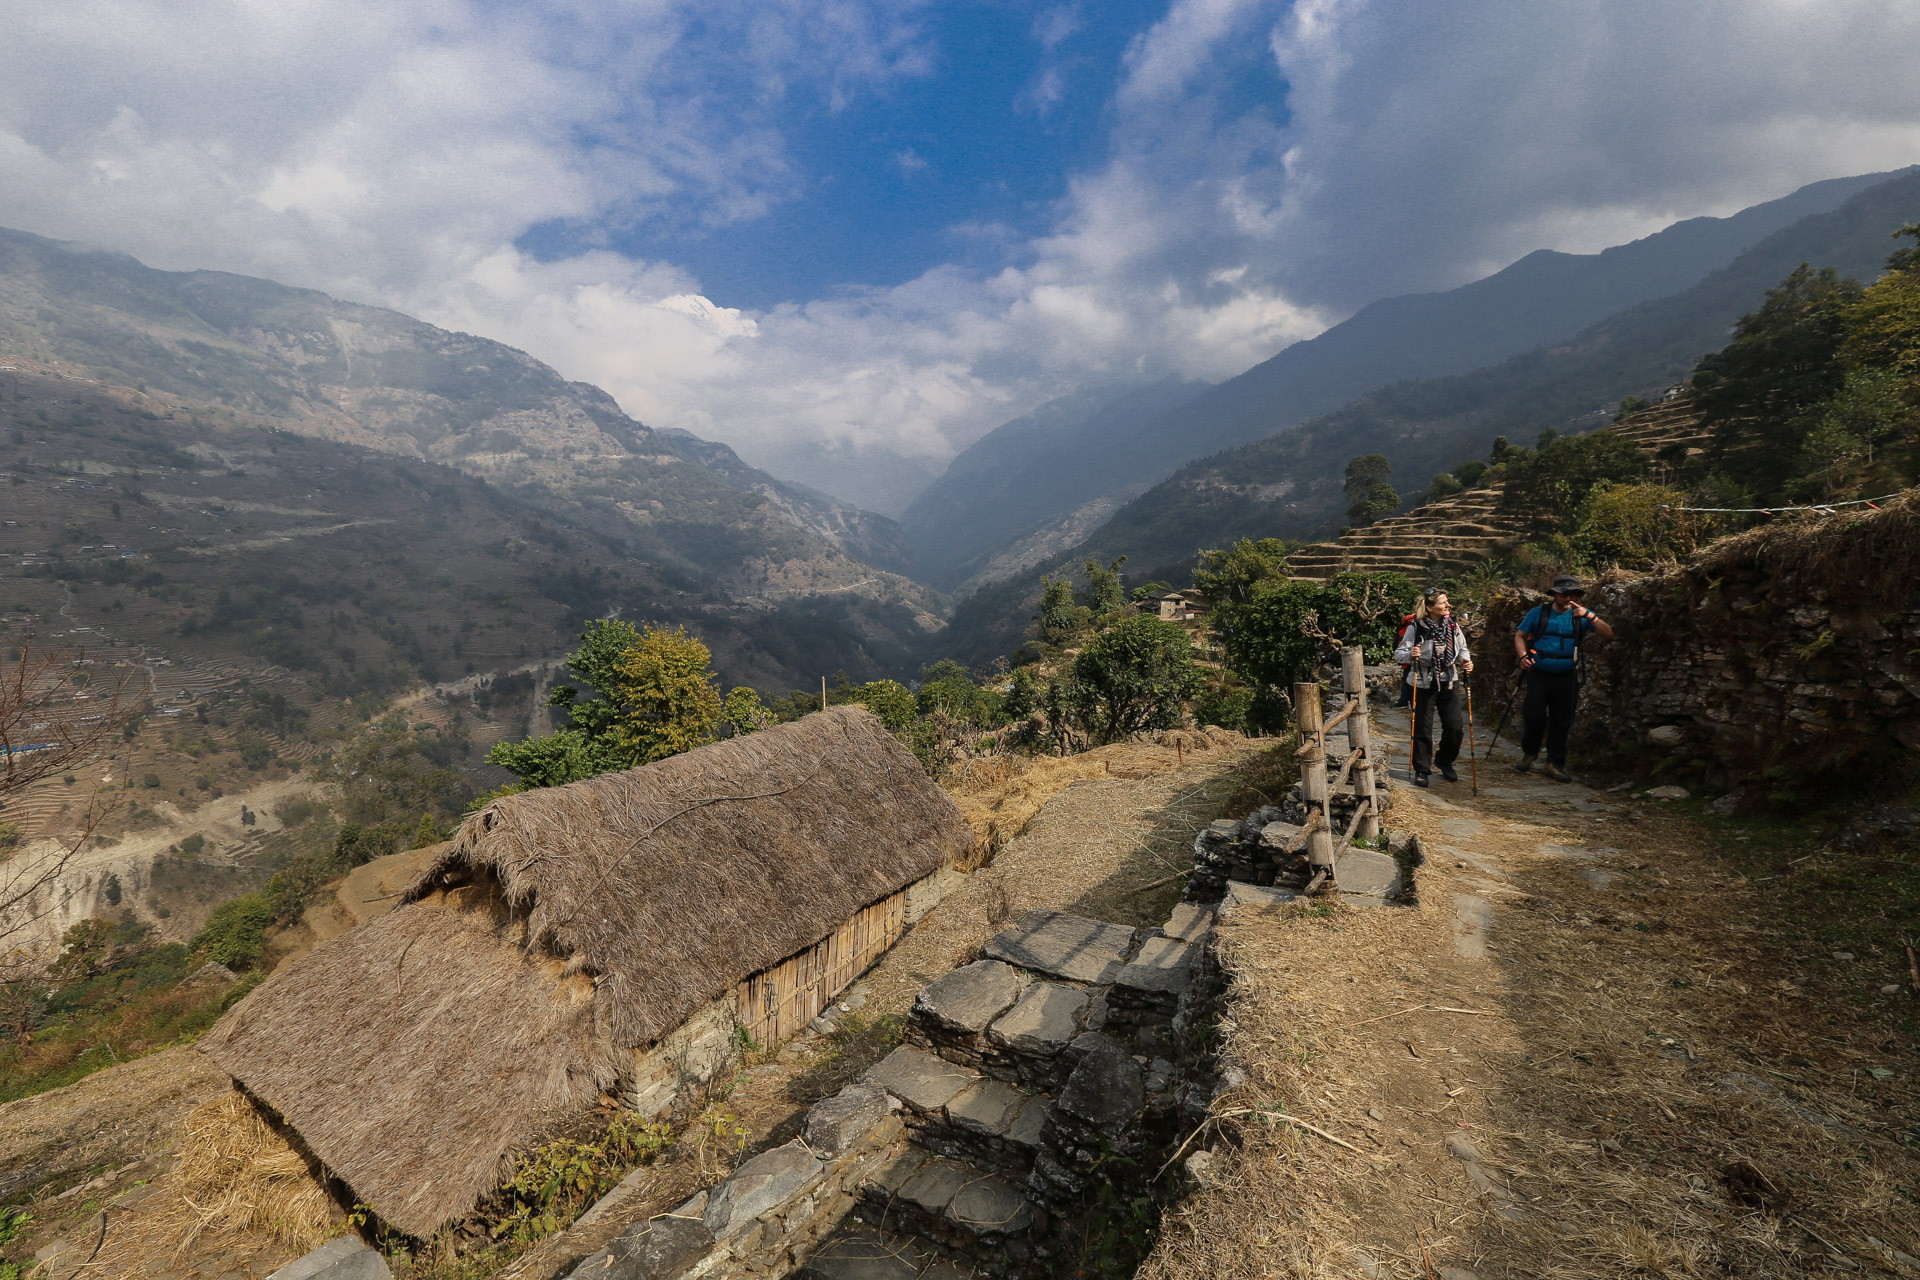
616,935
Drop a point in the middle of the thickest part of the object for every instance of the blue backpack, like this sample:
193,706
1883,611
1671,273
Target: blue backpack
1554,638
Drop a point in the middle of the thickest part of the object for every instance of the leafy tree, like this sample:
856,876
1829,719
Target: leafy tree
1781,364
947,687
669,702
1369,496
1552,482
1633,525
557,758
655,697
744,712
892,702
1105,593
1630,405
235,934
1059,618
1288,629
1228,578
1883,330
1225,703
1135,675
1024,693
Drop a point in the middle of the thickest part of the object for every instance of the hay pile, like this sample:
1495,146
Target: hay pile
238,1191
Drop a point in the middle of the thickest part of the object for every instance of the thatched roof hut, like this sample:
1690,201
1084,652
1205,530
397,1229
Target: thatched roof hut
562,929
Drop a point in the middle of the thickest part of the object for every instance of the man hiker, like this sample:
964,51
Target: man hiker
1437,650
1548,642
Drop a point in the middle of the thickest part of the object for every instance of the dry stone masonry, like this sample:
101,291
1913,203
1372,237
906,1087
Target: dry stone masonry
1793,650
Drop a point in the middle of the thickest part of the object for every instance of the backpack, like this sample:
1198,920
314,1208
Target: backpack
1534,627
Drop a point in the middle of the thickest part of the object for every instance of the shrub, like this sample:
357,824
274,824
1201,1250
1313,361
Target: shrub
150,780
1135,675
235,934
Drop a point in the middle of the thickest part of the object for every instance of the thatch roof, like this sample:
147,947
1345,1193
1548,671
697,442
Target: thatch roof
415,1054
419,1051
673,882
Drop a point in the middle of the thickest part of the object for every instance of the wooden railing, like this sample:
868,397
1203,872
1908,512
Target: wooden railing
1317,832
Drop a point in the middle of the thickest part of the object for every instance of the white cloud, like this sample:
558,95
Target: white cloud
396,154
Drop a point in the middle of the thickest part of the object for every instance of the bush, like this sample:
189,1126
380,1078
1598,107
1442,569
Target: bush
1135,675
1224,704
150,780
235,934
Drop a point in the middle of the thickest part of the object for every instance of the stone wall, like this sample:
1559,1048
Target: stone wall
1781,655
765,1218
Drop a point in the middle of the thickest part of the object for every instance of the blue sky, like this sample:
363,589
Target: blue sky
960,160
848,237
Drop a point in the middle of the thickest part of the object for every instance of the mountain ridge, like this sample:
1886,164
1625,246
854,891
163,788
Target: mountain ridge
1543,297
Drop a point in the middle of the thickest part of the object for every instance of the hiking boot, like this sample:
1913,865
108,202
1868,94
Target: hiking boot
1525,765
1446,771
1422,779
1558,773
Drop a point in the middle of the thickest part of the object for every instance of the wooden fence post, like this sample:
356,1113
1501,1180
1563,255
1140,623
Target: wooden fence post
1360,737
1313,776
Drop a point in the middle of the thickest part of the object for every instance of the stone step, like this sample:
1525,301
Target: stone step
961,1209
858,1252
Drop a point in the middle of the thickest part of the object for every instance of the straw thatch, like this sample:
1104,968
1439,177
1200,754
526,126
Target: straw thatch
673,882
418,1053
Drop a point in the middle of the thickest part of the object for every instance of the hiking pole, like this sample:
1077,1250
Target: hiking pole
1473,752
1513,693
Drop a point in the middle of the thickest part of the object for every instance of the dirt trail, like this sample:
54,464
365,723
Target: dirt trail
1583,1054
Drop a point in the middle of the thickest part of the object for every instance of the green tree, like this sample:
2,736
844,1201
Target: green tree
1135,675
1760,392
1369,496
1288,629
1059,619
1024,693
669,700
744,712
1106,592
235,934
1229,578
892,702
1551,483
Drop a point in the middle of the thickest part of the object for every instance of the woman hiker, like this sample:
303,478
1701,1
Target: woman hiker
1548,642
1437,649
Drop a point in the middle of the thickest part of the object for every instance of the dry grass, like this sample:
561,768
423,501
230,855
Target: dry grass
1642,1042
1000,795
237,1189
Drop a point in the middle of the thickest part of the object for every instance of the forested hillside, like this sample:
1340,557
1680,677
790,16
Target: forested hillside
1033,472
1290,484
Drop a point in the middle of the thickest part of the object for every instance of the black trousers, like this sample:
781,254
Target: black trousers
1548,713
1449,704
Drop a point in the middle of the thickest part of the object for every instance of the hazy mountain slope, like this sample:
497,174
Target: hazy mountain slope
1030,472
297,360
867,537
1545,297
1288,484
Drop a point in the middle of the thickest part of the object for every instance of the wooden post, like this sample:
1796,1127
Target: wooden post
1360,736
1313,774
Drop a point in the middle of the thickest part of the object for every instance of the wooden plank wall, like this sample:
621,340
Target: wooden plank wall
776,1003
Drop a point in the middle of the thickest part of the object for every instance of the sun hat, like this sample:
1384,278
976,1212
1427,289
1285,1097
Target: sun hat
1568,583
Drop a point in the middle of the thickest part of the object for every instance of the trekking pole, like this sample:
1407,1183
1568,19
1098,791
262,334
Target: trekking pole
1473,752
1507,714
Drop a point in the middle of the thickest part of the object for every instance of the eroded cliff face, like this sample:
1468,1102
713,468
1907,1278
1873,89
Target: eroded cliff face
1780,656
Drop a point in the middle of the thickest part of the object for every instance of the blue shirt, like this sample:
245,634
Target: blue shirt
1553,636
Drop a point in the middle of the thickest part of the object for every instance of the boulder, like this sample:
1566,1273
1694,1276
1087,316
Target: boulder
1667,735
651,1249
